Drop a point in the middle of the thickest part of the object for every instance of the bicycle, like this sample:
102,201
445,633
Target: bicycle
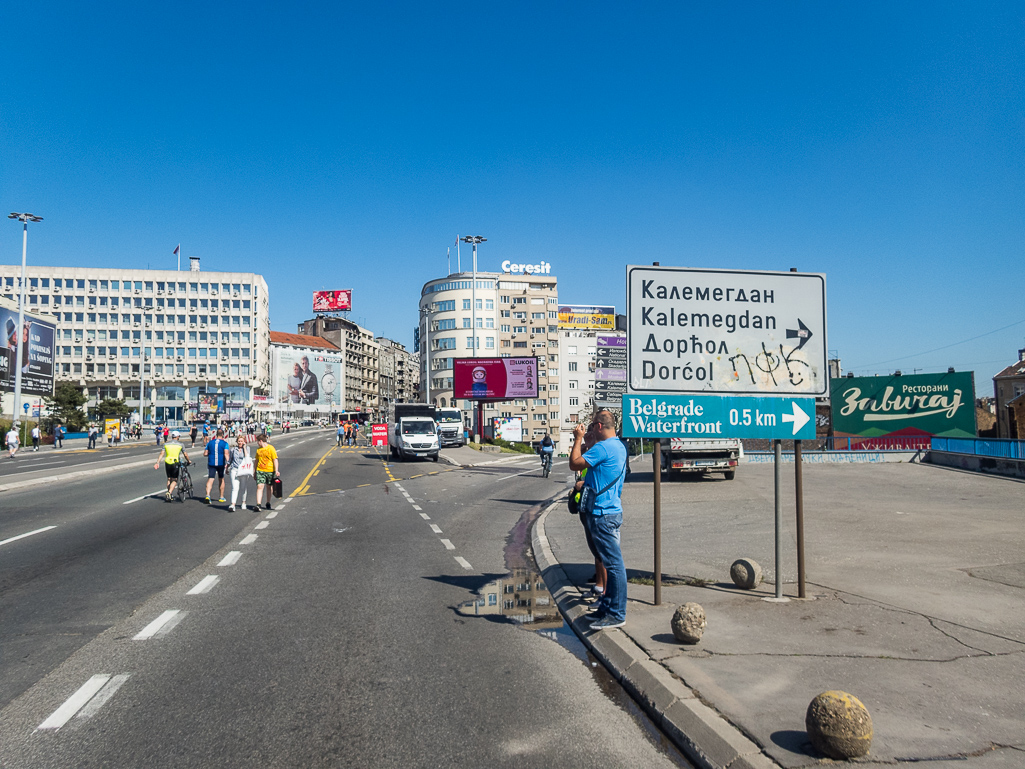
546,463
184,481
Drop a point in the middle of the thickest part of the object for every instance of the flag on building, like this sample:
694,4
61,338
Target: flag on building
177,248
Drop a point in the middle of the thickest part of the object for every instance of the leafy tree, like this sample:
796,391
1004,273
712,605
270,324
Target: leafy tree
66,407
112,407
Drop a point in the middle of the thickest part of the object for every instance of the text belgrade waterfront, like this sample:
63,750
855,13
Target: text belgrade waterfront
640,411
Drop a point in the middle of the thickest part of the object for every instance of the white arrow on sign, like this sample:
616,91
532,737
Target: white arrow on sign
799,418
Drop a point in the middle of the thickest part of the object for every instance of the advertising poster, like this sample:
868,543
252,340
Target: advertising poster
112,430
37,354
332,301
482,379
211,403
914,405
306,378
587,317
508,429
379,435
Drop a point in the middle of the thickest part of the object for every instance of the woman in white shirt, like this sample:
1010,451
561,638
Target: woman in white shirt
239,454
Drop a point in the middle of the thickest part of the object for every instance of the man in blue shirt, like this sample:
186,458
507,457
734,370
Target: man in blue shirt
606,468
217,458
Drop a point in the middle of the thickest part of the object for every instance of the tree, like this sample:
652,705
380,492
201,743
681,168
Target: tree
112,407
66,407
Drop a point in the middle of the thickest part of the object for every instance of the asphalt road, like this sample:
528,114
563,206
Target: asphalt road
345,628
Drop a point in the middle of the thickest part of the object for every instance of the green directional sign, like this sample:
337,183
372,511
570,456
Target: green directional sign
718,416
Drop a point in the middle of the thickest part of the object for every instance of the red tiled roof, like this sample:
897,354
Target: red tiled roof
300,340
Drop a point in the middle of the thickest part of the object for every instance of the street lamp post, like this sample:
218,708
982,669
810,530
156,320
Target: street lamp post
20,353
426,313
475,240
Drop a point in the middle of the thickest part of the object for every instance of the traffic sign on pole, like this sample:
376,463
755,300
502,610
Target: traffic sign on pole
718,416
726,332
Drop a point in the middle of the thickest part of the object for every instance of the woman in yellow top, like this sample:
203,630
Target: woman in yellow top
266,468
170,453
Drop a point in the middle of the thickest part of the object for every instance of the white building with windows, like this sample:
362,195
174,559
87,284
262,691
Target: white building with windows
579,348
504,315
173,333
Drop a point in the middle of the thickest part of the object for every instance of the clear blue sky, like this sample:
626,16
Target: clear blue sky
344,145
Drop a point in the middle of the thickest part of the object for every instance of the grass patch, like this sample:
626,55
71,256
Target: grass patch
647,578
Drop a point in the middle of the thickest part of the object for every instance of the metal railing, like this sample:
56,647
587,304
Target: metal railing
986,447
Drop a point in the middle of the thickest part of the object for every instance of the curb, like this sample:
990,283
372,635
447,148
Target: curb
70,476
704,736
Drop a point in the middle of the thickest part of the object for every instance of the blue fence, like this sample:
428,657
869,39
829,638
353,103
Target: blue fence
985,447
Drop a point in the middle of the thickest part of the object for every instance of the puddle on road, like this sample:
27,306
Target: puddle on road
522,598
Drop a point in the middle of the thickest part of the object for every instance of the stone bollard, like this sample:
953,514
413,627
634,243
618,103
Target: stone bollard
746,573
838,725
689,623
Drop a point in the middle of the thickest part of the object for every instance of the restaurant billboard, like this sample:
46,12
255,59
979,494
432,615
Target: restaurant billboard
913,405
495,379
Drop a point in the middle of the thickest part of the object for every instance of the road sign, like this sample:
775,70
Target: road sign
726,332
717,416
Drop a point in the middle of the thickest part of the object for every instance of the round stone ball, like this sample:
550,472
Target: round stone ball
746,573
689,623
839,725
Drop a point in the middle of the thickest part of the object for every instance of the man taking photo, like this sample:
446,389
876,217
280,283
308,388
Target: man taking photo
602,510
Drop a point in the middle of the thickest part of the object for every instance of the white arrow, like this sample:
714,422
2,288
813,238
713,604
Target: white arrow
799,418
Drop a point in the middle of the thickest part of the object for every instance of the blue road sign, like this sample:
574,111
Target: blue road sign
718,416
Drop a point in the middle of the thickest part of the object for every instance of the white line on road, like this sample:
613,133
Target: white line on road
158,624
464,563
231,558
517,475
399,487
262,525
435,528
425,516
145,496
448,544
204,585
272,514
74,703
31,533
97,702
417,507
248,540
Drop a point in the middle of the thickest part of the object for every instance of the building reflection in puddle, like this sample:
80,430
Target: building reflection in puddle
521,597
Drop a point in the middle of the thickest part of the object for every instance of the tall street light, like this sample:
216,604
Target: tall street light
425,312
475,240
20,354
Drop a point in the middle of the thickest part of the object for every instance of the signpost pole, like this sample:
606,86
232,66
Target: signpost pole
656,465
799,490
778,450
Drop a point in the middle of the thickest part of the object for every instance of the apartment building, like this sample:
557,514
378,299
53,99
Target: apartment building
360,361
500,314
165,333
399,380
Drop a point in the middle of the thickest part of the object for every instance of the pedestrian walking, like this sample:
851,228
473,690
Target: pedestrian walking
12,442
240,470
37,436
58,436
192,434
217,458
600,501
267,469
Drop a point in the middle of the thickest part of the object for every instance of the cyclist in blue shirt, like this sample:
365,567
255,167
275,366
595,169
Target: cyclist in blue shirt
217,458
546,450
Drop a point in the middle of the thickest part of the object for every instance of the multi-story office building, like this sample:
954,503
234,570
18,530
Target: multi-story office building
579,349
175,333
504,315
399,374
361,361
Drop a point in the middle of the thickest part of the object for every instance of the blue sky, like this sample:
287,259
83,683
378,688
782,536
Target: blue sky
333,145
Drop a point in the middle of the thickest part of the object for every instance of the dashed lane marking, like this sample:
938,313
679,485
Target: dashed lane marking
416,507
231,558
29,534
448,544
262,525
91,690
435,528
161,625
157,493
204,585
248,540
425,516
464,563
272,514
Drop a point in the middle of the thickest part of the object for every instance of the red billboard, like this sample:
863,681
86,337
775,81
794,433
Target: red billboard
379,435
332,301
495,379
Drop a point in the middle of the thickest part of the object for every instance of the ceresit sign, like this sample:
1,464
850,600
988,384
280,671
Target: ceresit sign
544,268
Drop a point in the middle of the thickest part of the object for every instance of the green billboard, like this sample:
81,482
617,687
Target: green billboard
921,404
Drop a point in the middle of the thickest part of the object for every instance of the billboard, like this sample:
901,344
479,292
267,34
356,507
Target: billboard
587,317
915,405
494,379
210,403
37,353
306,378
332,301
508,429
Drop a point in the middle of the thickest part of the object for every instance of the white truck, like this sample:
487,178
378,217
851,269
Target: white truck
700,455
412,431
450,426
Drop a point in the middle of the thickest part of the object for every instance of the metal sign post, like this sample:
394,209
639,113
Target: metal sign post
656,459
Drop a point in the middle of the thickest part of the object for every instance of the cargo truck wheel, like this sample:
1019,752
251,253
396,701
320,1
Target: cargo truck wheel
730,475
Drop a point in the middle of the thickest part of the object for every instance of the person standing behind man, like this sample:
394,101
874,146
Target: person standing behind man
267,469
217,459
605,463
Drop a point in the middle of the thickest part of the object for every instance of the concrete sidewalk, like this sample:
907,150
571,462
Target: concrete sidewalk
916,606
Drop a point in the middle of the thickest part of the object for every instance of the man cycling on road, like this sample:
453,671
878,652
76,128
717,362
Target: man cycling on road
546,450
170,453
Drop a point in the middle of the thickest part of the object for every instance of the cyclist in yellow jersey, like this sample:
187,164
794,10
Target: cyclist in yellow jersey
170,454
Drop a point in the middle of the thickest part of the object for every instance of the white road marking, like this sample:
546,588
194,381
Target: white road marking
262,525
157,493
31,533
435,528
97,702
425,516
204,585
417,507
464,563
517,475
448,544
231,558
74,703
248,540
272,514
157,625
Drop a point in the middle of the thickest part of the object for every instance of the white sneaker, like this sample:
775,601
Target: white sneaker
231,508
